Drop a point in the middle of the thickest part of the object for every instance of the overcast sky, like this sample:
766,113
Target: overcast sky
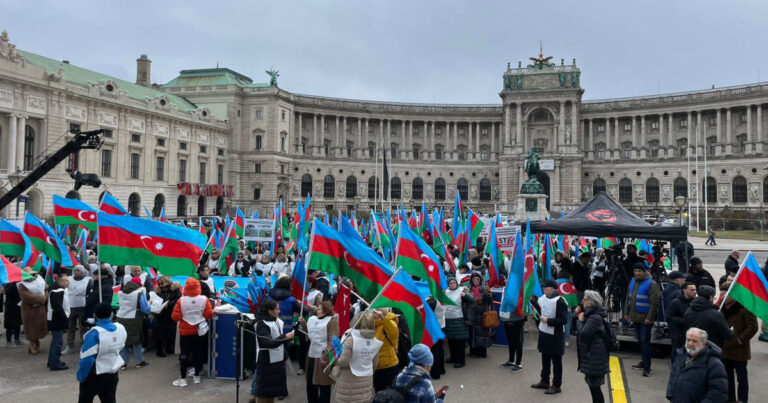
408,51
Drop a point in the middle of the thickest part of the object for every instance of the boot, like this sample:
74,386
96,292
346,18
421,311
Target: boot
34,347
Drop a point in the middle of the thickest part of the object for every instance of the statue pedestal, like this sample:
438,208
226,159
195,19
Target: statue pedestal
531,207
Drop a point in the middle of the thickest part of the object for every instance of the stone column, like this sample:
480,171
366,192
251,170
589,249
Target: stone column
749,130
320,136
662,140
574,124
366,137
507,123
643,142
519,124
410,139
381,137
344,138
298,127
403,148
455,153
608,145
360,146
561,129
477,140
759,140
635,145
425,145
728,138
336,138
591,146
616,138
493,141
11,143
429,148
388,136
670,137
700,135
21,130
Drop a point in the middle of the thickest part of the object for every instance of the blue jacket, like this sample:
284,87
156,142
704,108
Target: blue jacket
91,340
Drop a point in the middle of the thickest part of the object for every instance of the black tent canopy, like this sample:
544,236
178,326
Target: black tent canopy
601,216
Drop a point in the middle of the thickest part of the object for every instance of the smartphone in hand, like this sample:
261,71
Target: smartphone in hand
441,393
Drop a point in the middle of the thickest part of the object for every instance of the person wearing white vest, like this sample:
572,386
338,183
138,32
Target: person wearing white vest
320,328
133,306
100,358
79,286
192,311
456,330
359,358
58,314
271,381
553,314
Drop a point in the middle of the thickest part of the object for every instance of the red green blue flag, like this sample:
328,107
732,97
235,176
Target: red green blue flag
110,205
566,290
418,259
750,287
239,223
45,240
73,211
10,273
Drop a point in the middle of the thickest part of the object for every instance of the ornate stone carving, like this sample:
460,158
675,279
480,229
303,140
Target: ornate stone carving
724,192
318,188
666,192
35,105
496,192
203,137
182,133
532,185
8,50
76,113
540,143
568,136
107,119
160,130
753,189
340,189
406,192
6,99
221,141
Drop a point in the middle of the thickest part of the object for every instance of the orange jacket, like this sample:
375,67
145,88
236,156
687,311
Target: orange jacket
191,289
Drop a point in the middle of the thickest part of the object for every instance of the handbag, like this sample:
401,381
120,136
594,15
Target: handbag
490,318
332,371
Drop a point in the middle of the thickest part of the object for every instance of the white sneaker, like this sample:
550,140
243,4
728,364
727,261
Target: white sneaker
181,382
10,344
67,350
195,379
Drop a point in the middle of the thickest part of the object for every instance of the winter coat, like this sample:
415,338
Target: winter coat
701,277
34,313
351,388
11,311
669,294
388,333
457,328
318,376
675,316
744,325
133,326
702,380
476,317
654,296
59,319
731,265
705,316
171,296
580,275
279,294
554,344
592,353
92,299
272,379
191,289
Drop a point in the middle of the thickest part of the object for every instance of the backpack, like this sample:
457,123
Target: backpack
609,338
396,394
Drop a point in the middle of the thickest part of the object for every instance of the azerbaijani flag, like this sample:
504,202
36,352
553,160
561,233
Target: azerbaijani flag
610,241
14,242
161,217
126,240
417,259
523,283
382,239
239,223
10,273
476,226
750,288
110,205
73,211
44,239
566,290
298,286
228,249
494,279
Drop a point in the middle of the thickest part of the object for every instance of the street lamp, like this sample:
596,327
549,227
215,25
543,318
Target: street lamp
681,201
15,178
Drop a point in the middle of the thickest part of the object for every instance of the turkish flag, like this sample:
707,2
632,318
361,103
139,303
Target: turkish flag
343,307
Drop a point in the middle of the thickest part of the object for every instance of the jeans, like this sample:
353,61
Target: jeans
12,334
514,332
643,333
555,361
254,383
136,354
740,367
568,325
710,241
54,353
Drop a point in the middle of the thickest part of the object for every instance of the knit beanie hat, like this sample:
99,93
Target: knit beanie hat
137,280
420,355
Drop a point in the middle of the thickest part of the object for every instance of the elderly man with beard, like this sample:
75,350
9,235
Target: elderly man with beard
697,374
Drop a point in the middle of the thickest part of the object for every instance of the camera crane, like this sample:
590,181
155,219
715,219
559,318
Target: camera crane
89,140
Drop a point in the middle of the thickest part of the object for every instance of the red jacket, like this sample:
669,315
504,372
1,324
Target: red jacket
191,289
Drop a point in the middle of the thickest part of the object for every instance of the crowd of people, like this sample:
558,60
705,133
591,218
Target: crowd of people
710,347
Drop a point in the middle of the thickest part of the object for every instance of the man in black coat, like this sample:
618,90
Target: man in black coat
697,374
672,290
554,314
630,261
698,275
732,262
58,321
684,252
92,299
675,316
580,274
703,314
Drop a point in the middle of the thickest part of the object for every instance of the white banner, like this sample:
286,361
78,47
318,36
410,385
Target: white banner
259,229
487,227
506,237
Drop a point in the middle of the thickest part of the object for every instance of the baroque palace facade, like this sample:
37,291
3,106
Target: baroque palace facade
213,138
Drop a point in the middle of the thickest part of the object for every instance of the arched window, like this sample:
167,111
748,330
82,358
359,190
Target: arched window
328,184
181,206
652,190
134,203
306,185
417,189
598,186
159,204
463,188
739,190
711,190
485,189
201,206
73,194
625,191
680,187
351,187
440,189
29,147
394,188
373,188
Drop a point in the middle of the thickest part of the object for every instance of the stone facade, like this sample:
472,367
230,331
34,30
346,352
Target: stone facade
643,151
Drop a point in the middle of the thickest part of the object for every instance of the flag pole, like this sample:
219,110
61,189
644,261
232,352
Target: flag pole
373,301
735,278
98,264
304,286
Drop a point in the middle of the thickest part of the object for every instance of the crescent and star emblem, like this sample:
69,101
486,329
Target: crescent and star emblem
426,261
90,216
